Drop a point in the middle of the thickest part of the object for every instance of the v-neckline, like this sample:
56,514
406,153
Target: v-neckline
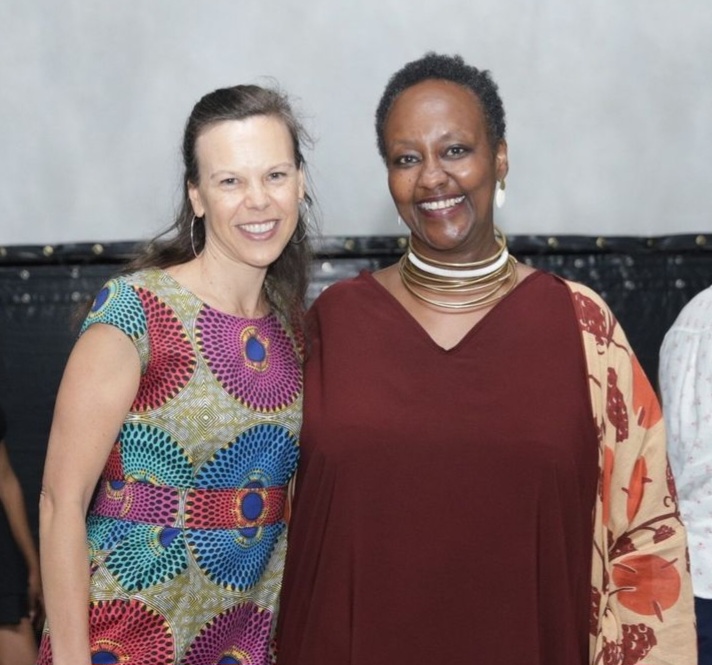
474,329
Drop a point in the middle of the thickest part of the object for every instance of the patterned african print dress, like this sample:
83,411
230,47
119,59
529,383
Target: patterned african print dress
187,531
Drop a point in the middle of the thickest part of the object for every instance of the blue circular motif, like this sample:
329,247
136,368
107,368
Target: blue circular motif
100,299
118,304
236,558
270,448
252,505
104,658
262,456
255,350
167,536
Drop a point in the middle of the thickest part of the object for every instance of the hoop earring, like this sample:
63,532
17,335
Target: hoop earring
301,240
192,236
305,215
499,196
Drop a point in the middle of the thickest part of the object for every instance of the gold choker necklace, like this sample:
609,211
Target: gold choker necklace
480,283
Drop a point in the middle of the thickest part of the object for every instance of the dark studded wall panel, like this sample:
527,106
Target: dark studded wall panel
646,281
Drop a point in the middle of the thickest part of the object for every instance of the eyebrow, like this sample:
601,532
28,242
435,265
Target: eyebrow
447,136
281,165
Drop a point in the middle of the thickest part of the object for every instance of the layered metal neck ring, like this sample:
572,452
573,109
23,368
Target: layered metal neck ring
469,286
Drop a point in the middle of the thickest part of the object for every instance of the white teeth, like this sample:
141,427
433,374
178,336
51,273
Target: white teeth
262,227
441,205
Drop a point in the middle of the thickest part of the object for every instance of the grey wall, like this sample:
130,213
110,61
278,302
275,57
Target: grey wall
609,105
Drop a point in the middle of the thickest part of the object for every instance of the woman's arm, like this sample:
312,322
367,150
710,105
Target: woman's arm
98,387
13,503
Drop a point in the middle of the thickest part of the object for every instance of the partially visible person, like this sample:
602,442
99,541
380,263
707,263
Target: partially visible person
182,399
483,475
20,585
686,390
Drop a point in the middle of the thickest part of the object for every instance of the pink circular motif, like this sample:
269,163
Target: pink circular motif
137,502
239,635
253,359
126,632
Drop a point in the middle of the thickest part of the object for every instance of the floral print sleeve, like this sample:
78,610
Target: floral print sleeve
642,606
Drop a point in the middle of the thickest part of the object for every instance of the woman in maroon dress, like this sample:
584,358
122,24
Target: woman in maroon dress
461,412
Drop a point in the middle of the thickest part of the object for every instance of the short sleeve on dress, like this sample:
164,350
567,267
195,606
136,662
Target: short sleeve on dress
118,305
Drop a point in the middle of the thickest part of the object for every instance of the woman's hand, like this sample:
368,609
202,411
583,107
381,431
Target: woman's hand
35,598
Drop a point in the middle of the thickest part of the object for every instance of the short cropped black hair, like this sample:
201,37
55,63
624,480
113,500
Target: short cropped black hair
450,68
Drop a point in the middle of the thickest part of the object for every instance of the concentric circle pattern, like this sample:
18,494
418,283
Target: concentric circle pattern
117,304
253,359
151,454
238,637
147,555
263,456
234,558
137,502
125,632
104,533
188,520
172,361
265,452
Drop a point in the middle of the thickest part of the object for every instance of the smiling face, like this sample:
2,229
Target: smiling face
442,170
248,190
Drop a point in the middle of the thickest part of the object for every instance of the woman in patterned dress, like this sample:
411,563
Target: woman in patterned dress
177,420
483,476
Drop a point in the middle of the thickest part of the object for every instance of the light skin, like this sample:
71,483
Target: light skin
17,642
97,389
442,174
248,192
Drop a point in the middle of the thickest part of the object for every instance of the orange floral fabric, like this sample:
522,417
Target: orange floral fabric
642,605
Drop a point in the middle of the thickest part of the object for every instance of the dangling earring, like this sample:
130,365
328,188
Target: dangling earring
400,221
305,215
192,236
499,195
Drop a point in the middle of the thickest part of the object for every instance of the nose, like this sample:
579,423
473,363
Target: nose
432,174
256,195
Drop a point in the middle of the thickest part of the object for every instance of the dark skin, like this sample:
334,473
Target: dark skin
442,174
17,641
